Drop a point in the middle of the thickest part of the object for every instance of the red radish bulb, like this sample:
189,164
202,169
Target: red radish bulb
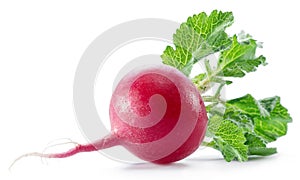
156,113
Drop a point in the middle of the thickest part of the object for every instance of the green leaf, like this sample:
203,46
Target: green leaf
239,59
256,146
229,139
273,108
208,33
179,58
274,122
241,111
198,37
267,117
261,121
213,125
262,151
235,61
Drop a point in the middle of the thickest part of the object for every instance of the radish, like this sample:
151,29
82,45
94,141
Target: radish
156,113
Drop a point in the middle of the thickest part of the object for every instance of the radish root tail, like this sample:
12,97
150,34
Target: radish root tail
103,143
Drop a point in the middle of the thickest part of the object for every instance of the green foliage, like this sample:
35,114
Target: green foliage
247,125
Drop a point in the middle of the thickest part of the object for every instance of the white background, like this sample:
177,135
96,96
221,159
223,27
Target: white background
41,45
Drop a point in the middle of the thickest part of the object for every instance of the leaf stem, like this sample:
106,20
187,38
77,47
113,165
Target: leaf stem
207,144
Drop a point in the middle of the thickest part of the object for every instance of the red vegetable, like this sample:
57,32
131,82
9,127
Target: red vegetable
156,113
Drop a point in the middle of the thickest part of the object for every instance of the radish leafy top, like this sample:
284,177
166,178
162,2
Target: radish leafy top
200,36
246,125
